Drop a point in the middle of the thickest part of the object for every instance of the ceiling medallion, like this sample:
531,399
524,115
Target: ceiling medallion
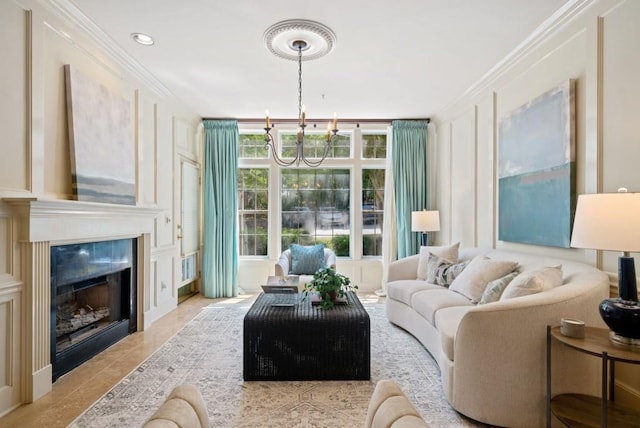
280,39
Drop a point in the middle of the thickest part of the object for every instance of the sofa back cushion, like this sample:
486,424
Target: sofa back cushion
534,281
473,280
447,252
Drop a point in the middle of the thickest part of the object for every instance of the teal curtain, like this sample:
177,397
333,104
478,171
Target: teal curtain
220,254
409,159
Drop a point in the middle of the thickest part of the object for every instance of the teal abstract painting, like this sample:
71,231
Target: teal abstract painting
536,170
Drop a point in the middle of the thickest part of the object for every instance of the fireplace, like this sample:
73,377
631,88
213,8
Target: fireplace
93,300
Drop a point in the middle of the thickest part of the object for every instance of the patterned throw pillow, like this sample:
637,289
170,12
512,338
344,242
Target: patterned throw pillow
306,260
495,288
441,271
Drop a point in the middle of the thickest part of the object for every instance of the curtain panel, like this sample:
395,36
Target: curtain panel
409,159
220,253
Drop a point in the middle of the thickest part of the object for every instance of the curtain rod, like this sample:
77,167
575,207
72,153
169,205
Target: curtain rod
295,121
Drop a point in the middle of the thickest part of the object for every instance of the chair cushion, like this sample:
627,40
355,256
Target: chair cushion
389,407
306,260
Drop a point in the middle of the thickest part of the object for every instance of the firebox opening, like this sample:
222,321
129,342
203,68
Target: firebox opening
93,301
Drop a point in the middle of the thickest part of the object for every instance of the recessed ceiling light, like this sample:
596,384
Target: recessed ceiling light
143,39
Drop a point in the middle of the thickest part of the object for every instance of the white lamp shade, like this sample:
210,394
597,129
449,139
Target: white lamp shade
425,221
607,221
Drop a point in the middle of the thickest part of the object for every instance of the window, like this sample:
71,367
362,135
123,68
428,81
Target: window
252,146
253,211
339,203
372,211
314,145
315,207
374,145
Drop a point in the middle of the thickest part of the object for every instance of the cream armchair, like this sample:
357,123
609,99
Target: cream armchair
283,266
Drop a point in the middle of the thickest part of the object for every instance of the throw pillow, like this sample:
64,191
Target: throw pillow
473,280
534,281
441,271
306,260
447,252
495,288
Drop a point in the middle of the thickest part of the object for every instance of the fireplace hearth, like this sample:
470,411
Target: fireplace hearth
93,300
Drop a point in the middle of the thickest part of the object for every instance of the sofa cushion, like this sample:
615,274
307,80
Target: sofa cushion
403,289
447,321
533,281
442,272
306,259
478,273
495,288
448,252
428,302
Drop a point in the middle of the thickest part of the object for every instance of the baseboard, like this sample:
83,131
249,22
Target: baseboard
42,383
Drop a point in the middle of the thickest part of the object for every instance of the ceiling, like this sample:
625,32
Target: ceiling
392,59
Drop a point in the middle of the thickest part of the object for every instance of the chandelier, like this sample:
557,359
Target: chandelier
316,40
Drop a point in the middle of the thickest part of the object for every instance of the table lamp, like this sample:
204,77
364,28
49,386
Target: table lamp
425,221
611,222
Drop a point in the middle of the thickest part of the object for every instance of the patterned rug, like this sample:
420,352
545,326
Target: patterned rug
208,353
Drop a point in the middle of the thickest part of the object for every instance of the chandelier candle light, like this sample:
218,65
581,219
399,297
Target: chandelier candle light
316,40
611,222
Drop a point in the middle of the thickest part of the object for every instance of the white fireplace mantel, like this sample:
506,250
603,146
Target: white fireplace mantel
57,220
42,223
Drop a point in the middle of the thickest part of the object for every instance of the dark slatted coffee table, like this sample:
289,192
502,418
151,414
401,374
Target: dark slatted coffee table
305,342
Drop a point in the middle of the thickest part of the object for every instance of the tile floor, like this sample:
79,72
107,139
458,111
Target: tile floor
78,389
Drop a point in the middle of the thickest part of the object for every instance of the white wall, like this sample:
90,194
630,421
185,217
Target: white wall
594,43
35,157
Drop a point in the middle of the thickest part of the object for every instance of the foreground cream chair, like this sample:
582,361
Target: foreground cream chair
184,408
390,408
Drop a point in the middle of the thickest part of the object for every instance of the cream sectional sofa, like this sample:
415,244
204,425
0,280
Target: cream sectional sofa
492,357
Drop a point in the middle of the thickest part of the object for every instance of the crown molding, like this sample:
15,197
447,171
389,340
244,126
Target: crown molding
552,25
69,13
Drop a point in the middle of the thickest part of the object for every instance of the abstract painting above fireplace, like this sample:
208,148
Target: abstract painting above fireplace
101,140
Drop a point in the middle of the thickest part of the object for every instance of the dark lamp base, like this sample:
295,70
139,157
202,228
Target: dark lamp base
621,340
622,316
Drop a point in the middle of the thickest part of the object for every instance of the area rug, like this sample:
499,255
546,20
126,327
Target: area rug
207,352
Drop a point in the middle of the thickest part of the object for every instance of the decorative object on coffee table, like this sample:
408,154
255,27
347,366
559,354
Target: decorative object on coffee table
329,285
611,222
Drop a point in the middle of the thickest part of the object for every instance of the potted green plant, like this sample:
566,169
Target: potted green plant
329,285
